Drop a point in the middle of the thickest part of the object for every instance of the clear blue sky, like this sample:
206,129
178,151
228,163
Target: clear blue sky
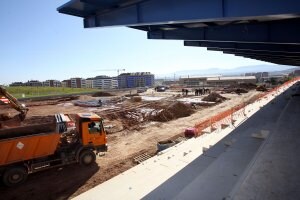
39,43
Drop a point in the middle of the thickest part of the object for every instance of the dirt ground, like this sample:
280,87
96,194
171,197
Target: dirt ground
131,132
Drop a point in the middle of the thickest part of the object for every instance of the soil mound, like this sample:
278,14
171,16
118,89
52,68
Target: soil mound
173,111
34,120
214,97
102,94
132,95
14,121
240,90
136,99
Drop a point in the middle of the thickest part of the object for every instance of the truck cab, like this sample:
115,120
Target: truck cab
92,133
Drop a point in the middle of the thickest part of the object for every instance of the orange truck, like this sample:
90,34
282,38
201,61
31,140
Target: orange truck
28,149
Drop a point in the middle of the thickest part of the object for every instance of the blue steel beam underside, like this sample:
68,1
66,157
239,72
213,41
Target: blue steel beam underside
136,13
254,52
271,57
265,30
279,48
267,57
285,53
284,31
260,52
290,58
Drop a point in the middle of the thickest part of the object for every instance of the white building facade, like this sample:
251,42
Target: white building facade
78,83
105,82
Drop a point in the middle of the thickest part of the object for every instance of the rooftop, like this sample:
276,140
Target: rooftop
202,77
232,78
136,74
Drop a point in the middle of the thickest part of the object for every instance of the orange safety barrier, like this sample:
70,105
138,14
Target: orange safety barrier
238,110
203,125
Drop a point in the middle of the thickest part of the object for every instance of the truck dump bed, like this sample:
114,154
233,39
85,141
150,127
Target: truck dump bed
28,142
7,133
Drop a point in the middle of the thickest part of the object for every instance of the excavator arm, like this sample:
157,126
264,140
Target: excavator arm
14,103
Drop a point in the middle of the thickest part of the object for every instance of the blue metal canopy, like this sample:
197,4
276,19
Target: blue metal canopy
249,28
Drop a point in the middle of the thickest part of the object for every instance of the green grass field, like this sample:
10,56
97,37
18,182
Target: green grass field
27,92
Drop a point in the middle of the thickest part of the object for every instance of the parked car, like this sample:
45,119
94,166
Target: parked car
160,88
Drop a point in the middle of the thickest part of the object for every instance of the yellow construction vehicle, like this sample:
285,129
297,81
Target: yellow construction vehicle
14,103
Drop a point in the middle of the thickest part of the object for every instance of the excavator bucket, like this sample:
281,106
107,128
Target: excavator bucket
7,98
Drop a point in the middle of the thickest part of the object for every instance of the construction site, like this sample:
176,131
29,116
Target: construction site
212,137
134,124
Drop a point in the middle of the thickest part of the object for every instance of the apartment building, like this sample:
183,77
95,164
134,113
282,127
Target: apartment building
52,83
16,84
105,82
66,83
138,79
33,83
89,83
78,83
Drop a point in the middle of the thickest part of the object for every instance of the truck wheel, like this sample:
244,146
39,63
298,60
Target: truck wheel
14,176
87,157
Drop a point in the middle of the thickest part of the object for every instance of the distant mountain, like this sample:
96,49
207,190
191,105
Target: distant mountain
276,69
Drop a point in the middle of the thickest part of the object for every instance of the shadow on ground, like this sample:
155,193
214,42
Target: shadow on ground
58,183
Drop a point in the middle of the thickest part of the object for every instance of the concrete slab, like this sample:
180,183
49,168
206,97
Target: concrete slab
276,174
174,185
218,180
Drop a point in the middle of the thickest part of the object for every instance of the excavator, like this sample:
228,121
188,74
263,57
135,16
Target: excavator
14,103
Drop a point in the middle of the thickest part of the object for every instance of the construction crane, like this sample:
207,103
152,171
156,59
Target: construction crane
118,70
7,98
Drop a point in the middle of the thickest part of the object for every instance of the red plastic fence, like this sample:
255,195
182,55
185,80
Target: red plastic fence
235,111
